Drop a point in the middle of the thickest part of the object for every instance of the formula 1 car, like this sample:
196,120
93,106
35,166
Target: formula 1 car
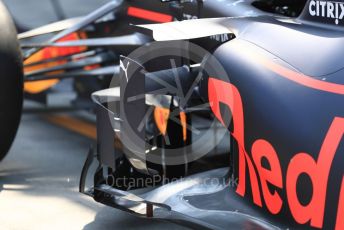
264,77
275,83
88,48
131,12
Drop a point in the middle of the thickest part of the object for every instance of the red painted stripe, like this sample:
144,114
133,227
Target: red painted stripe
149,15
292,75
340,212
303,79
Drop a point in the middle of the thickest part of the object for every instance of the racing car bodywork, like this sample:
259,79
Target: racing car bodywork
117,24
120,14
275,83
281,99
88,48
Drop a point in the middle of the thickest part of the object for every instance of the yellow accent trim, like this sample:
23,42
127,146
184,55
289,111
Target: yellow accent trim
84,128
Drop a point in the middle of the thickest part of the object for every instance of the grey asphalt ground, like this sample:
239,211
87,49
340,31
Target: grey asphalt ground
39,178
39,184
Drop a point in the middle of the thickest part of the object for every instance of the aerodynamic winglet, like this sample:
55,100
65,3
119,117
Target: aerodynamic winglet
185,30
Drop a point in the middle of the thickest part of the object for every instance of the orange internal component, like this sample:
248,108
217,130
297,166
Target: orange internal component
161,116
48,53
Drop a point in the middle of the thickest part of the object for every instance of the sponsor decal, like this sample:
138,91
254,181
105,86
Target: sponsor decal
327,10
266,182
